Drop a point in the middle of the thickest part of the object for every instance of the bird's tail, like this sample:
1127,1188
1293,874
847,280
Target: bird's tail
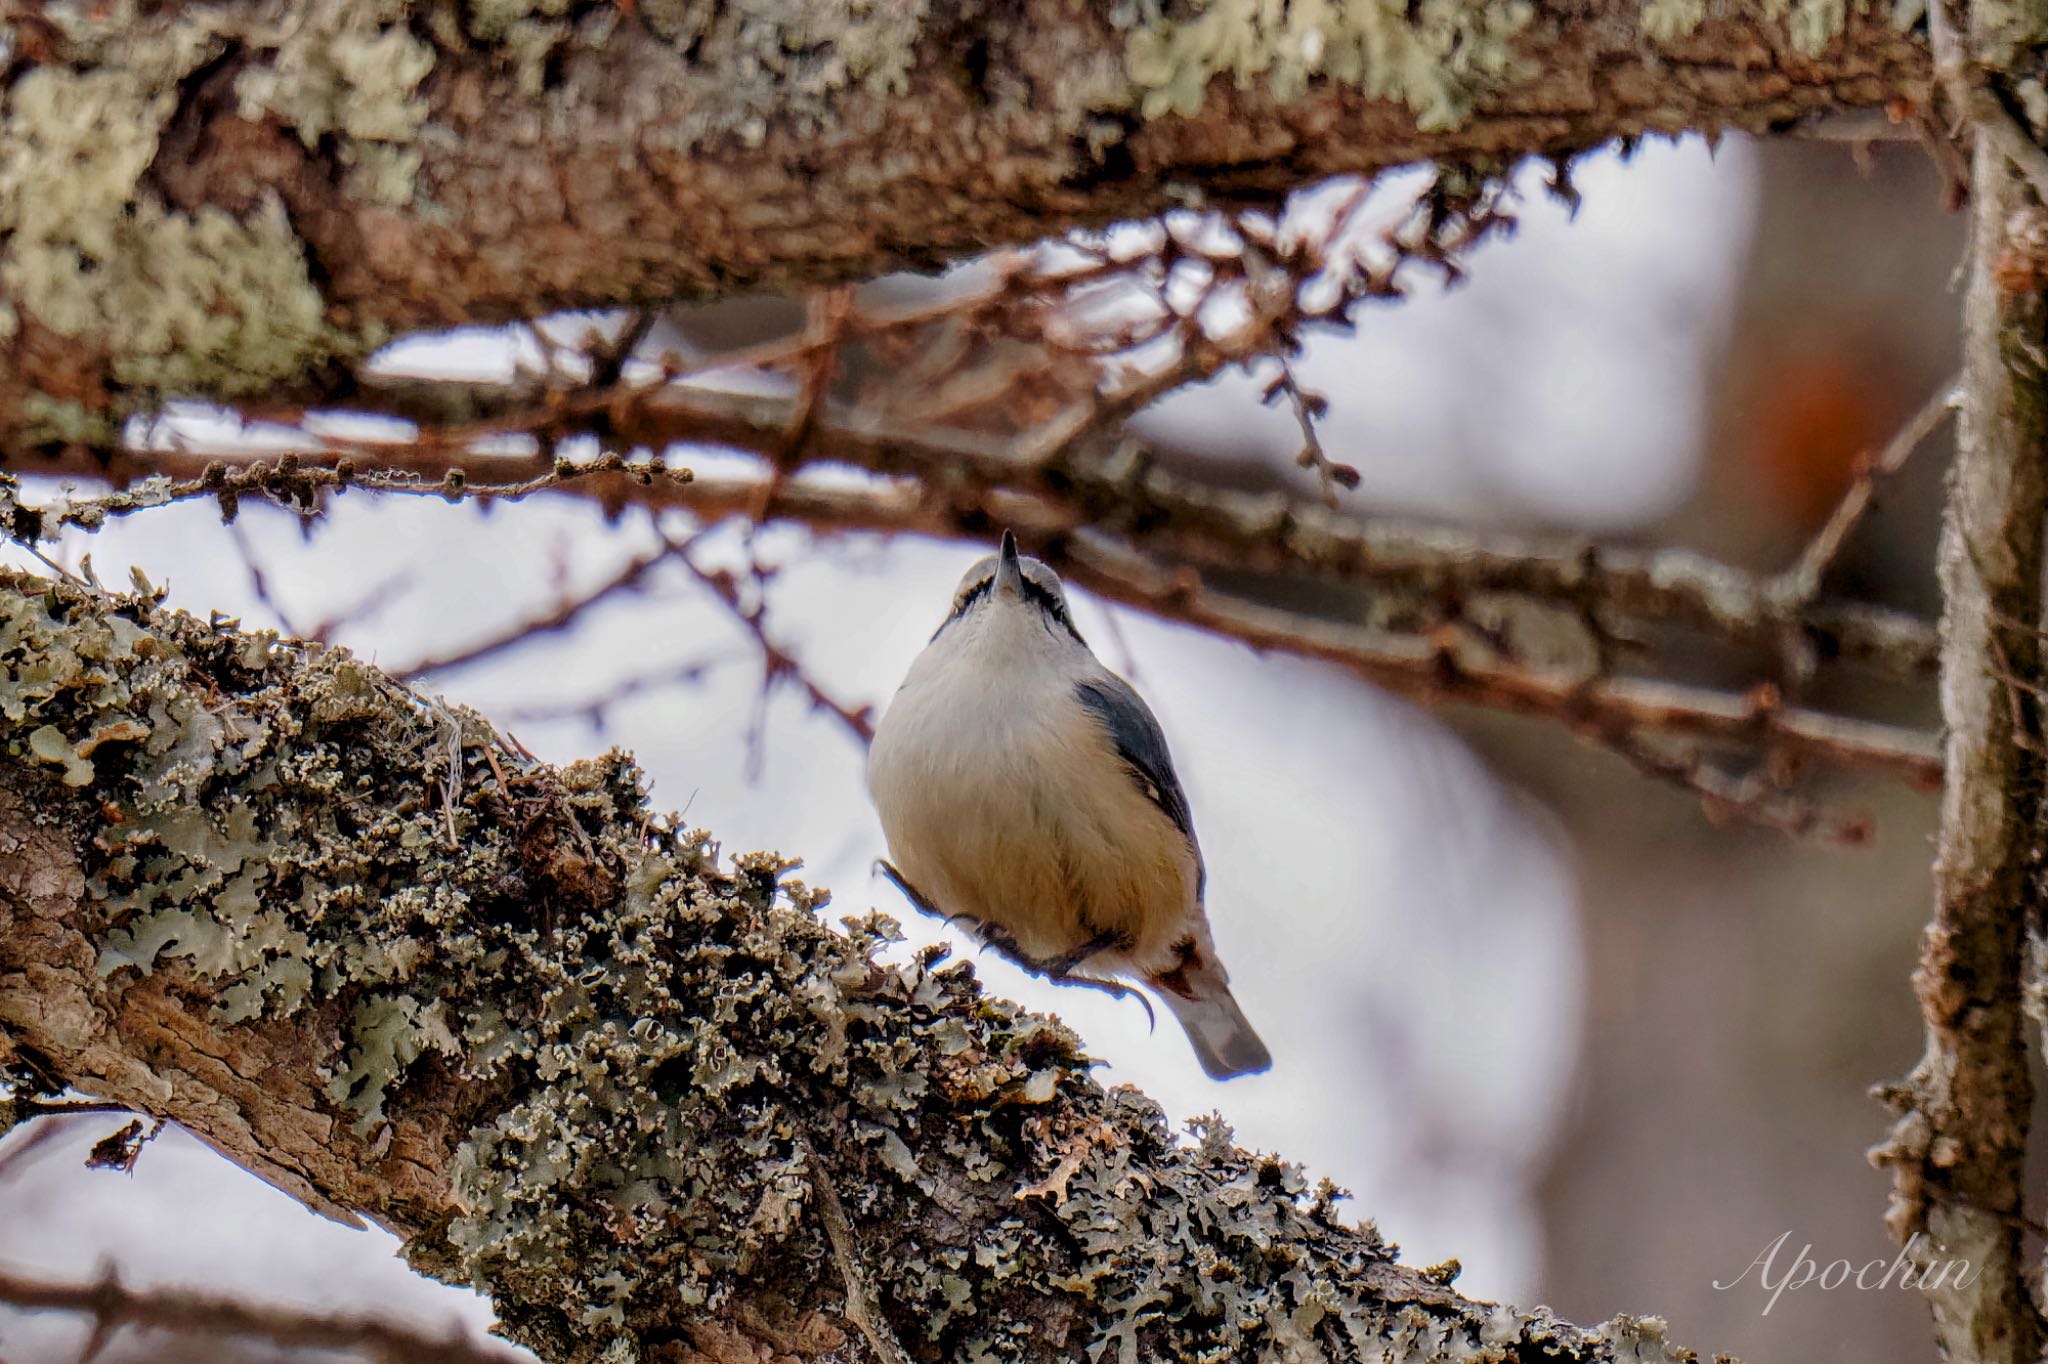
1199,995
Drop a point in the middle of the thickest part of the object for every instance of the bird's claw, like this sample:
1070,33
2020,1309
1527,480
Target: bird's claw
1059,970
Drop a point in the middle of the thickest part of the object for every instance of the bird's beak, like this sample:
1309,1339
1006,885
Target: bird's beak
1009,571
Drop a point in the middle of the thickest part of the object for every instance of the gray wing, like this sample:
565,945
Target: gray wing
1141,744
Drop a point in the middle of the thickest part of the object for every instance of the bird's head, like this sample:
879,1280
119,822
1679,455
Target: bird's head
1008,589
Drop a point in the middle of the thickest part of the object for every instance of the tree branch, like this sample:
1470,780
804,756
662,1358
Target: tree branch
319,187
1958,1149
1109,525
583,1064
112,1307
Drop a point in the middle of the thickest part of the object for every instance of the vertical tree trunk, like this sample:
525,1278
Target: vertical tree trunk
1960,1145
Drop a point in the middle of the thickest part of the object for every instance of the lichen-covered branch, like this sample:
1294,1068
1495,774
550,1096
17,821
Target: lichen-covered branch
230,199
1959,1147
577,1058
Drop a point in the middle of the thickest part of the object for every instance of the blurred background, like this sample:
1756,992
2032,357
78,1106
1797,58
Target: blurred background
1534,1011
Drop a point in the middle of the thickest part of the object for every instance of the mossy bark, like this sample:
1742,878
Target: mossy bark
244,197
640,1093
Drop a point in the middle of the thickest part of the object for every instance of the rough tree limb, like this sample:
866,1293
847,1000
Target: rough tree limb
1959,1147
234,199
348,937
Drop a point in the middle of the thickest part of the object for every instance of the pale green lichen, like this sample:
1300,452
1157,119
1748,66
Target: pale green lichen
1435,56
1811,24
2002,32
1432,56
527,31
345,70
1665,21
50,745
659,1055
206,301
65,420
736,68
351,69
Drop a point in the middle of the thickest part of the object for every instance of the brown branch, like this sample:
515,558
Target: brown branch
1597,706
1171,517
630,577
1226,531
1308,409
596,709
584,1062
113,1308
475,200
777,663
1800,582
1958,1150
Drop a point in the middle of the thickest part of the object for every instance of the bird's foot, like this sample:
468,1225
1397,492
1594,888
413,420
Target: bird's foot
1060,970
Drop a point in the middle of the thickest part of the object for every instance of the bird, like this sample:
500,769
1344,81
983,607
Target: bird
1026,790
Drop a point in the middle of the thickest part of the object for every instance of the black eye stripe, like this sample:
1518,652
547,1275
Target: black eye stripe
965,603
1044,598
1049,601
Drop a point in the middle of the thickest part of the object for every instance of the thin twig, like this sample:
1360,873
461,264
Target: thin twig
112,1307
1308,409
1182,519
596,709
777,663
629,578
1800,583
259,582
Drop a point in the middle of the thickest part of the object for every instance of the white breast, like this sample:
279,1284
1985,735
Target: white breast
1002,799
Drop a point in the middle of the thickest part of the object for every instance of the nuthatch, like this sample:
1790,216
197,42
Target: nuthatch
1025,787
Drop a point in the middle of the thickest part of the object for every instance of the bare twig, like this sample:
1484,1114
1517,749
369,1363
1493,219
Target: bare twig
1800,583
1308,410
777,663
596,709
1420,667
630,577
259,582
1169,516
112,1307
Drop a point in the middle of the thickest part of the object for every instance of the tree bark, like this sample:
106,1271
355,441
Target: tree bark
246,197
640,1095
1960,1145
